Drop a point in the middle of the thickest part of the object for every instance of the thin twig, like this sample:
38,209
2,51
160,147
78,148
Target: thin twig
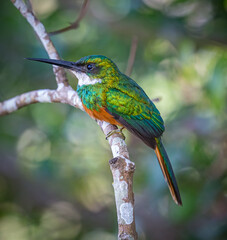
75,24
132,56
157,99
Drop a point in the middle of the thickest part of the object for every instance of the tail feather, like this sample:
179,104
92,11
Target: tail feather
167,171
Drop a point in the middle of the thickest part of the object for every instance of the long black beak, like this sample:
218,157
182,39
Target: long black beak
61,63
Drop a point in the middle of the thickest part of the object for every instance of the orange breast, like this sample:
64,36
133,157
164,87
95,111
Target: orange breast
102,115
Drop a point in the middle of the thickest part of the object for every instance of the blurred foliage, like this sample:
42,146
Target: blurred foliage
55,181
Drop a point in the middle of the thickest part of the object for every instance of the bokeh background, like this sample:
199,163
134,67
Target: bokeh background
55,181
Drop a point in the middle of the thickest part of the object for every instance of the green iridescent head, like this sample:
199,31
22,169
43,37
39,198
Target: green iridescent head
97,66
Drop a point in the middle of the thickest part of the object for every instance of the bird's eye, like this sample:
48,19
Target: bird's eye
89,67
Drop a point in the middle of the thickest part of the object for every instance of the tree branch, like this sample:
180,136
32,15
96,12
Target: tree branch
122,168
75,24
44,38
132,55
61,95
25,99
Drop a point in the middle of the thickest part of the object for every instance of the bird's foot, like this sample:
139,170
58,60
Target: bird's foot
116,131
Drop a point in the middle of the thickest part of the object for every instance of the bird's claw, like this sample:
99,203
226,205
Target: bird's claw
119,131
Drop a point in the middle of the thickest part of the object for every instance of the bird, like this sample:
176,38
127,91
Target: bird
109,95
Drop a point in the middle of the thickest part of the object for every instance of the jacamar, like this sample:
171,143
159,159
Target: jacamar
111,96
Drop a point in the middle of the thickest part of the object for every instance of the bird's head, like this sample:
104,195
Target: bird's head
89,70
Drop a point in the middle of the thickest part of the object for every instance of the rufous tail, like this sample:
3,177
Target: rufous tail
167,171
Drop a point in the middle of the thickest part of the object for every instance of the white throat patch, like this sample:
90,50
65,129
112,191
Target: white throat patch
84,79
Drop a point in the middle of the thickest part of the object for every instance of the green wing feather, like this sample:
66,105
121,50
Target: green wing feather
131,107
